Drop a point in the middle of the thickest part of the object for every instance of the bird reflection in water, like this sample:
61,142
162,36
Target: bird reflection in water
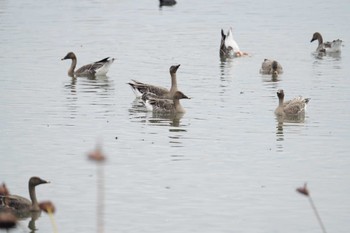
172,119
97,90
99,84
283,121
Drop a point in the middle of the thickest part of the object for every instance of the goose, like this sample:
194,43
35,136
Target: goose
326,47
96,68
140,88
165,105
167,3
20,204
271,67
292,107
228,46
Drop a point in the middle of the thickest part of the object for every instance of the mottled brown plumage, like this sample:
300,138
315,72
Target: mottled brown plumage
165,105
140,88
271,67
292,107
96,68
19,204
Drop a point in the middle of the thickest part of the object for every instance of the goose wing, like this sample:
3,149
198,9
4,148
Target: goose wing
295,106
161,105
91,68
143,88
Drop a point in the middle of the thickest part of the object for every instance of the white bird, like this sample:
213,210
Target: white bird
228,46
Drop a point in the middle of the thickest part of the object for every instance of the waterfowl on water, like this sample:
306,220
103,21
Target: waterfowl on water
271,67
140,88
96,68
292,107
228,46
165,105
167,3
326,47
20,204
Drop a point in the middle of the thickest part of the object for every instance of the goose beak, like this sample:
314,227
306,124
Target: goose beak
45,182
177,67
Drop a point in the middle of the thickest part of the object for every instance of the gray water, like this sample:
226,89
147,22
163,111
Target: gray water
227,165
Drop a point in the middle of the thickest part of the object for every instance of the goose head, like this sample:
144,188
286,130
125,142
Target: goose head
173,69
280,94
69,55
34,181
316,36
179,95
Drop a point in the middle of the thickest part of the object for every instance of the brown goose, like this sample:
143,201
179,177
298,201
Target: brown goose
96,68
292,107
324,47
21,204
140,88
271,67
165,105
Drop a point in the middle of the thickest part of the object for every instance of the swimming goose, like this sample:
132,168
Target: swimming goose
292,107
140,88
165,105
228,46
96,68
167,3
324,47
20,204
271,67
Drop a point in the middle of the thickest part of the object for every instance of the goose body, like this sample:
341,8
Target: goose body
167,3
96,68
326,47
271,67
164,105
228,46
292,107
140,88
19,204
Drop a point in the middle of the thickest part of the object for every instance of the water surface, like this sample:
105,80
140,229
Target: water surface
227,165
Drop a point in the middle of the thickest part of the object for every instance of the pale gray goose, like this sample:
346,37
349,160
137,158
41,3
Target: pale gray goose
96,68
271,67
20,204
140,88
326,47
165,105
292,107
